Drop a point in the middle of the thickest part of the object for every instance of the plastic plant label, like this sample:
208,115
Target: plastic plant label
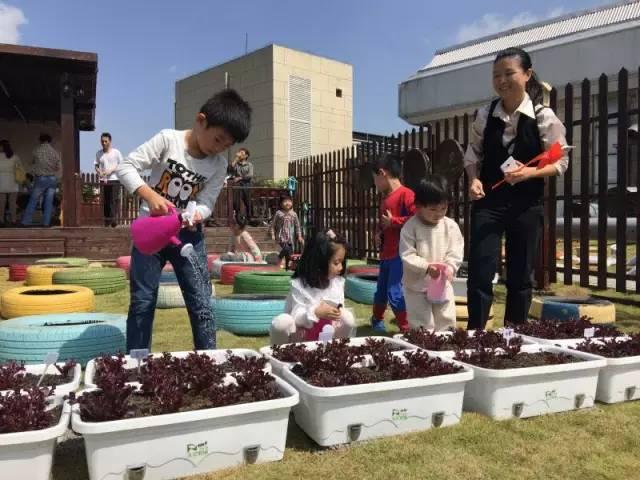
589,332
51,358
507,334
139,354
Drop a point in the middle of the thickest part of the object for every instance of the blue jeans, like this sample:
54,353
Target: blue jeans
389,288
41,186
194,282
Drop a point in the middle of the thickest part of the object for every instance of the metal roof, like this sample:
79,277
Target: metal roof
537,32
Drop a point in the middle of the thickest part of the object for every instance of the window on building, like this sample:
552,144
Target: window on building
299,118
339,92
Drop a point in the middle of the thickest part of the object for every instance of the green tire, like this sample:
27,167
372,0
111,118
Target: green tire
262,282
100,280
68,261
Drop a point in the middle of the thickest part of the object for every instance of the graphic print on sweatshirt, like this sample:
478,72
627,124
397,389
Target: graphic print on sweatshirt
178,184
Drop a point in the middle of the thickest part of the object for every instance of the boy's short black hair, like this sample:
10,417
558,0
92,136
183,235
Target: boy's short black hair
390,162
313,266
228,110
432,191
245,150
45,137
106,134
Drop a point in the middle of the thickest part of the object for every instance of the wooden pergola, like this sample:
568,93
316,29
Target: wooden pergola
50,85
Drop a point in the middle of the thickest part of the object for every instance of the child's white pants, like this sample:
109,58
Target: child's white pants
421,313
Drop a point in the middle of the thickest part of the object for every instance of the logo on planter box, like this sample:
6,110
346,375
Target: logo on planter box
550,395
399,414
197,450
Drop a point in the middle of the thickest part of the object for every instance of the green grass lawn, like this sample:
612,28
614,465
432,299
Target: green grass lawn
600,443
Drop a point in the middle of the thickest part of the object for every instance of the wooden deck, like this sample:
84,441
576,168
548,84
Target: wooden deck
25,245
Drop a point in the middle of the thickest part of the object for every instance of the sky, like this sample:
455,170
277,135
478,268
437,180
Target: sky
143,47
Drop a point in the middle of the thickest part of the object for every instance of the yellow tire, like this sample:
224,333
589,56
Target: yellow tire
46,299
41,275
462,314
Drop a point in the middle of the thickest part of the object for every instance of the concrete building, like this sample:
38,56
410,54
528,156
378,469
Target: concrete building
564,50
302,104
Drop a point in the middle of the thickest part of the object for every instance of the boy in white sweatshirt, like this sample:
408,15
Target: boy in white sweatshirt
186,165
430,238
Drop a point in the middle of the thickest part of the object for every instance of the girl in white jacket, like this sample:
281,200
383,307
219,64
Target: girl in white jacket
316,297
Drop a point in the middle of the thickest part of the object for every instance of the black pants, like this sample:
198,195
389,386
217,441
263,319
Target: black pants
109,196
521,226
242,193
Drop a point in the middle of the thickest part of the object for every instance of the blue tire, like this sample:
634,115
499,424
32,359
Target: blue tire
81,336
246,314
168,277
361,288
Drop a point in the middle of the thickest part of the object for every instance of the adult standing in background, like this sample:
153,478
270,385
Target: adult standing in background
107,160
242,176
45,168
9,183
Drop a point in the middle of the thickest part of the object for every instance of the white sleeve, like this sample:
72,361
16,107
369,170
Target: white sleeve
303,305
551,131
207,197
455,248
408,252
474,153
139,160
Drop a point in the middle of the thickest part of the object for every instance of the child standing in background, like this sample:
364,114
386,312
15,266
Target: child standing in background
430,244
396,208
285,229
242,247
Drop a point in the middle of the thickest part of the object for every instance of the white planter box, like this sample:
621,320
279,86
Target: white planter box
559,342
28,455
218,355
528,392
448,353
61,390
187,443
619,380
278,366
332,416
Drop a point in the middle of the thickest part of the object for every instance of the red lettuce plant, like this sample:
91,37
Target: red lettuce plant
510,357
458,340
612,348
566,329
12,376
26,410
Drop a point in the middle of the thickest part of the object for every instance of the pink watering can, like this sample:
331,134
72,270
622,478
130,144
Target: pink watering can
152,234
436,288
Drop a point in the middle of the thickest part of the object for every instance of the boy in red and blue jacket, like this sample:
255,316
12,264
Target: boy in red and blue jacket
396,208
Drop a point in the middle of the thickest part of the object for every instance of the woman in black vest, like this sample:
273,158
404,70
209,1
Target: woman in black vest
514,125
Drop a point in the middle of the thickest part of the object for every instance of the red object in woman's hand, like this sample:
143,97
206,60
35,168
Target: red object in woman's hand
551,156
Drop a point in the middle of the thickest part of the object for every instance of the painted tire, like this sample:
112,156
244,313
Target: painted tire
216,266
361,288
65,261
41,274
17,272
168,277
125,264
170,296
230,270
462,314
210,259
81,336
276,283
562,309
247,314
100,280
363,269
45,299
95,265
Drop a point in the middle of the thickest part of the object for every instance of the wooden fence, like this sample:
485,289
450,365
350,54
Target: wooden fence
328,183
264,201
